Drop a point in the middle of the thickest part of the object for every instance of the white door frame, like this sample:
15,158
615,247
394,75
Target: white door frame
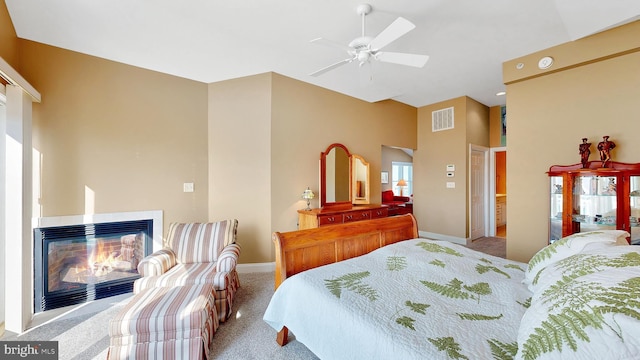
485,200
492,189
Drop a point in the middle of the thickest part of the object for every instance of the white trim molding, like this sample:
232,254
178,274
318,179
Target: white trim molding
256,267
14,78
155,215
453,239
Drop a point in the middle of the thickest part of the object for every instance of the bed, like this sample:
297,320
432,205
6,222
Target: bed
374,290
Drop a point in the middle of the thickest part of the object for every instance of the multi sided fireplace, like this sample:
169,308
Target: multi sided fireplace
79,263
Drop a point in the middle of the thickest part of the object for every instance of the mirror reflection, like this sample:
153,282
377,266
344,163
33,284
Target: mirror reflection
336,175
360,181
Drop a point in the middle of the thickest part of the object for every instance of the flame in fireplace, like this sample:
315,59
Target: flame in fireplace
100,261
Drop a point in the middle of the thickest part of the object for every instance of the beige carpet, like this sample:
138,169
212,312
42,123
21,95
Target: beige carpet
82,333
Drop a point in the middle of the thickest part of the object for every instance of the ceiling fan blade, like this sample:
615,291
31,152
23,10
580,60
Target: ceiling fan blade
415,60
331,43
397,28
331,67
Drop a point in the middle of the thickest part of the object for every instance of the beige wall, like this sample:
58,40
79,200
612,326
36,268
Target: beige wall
590,91
8,39
495,126
114,138
240,161
440,210
477,123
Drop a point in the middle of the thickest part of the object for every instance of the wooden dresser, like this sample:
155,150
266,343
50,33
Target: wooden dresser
309,219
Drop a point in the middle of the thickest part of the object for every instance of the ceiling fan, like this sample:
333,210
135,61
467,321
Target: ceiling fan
365,48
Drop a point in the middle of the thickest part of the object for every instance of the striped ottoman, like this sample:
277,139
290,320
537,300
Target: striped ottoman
165,323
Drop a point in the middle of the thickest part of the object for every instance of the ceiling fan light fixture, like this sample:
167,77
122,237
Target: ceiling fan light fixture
363,56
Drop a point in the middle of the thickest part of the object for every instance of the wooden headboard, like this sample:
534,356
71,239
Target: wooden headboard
301,250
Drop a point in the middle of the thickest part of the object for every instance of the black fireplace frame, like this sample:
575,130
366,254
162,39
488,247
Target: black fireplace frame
46,300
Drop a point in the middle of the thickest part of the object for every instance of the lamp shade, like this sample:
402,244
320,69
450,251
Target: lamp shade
401,182
308,194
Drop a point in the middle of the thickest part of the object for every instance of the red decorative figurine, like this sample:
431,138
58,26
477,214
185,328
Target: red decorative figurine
585,151
605,146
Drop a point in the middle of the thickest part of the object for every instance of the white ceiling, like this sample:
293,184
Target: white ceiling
213,40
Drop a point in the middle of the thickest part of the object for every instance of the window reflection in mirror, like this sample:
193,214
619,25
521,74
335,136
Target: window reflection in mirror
360,182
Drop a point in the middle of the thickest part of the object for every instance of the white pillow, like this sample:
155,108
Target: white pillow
587,306
571,245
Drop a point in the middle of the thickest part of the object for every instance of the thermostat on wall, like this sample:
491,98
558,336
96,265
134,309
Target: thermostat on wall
451,167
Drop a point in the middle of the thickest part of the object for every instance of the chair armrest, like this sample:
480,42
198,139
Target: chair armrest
228,258
157,263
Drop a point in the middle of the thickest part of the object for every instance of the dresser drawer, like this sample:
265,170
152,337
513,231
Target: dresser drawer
309,219
379,213
357,215
329,219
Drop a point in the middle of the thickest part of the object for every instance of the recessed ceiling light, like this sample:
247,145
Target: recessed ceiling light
501,93
545,62
519,66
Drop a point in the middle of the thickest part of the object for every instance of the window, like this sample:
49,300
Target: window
402,171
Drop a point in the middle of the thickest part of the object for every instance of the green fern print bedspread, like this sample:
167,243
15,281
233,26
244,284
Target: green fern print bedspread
417,299
585,306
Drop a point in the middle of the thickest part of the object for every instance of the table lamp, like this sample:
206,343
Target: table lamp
308,195
401,184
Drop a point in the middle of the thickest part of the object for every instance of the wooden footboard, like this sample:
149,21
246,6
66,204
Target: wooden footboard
301,250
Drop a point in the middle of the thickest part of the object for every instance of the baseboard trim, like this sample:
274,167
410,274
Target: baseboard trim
256,267
453,239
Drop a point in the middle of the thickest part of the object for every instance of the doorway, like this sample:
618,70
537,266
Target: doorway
498,190
478,192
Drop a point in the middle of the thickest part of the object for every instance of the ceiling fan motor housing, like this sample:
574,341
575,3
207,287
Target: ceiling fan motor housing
360,43
363,9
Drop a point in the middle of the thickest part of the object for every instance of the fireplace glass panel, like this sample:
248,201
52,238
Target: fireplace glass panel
76,263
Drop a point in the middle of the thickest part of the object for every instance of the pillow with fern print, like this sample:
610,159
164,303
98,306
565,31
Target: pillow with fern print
586,306
571,245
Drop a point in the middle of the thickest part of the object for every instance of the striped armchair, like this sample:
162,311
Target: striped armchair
196,253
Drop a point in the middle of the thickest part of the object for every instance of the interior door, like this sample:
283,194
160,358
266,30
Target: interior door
478,193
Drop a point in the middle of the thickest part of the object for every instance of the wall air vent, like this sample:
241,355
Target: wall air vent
442,119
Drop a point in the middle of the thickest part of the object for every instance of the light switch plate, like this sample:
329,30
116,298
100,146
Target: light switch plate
451,185
187,187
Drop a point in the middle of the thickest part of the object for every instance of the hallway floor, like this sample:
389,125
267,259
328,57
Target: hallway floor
492,245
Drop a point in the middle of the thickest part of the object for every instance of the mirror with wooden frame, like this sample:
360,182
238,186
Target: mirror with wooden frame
360,180
335,177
